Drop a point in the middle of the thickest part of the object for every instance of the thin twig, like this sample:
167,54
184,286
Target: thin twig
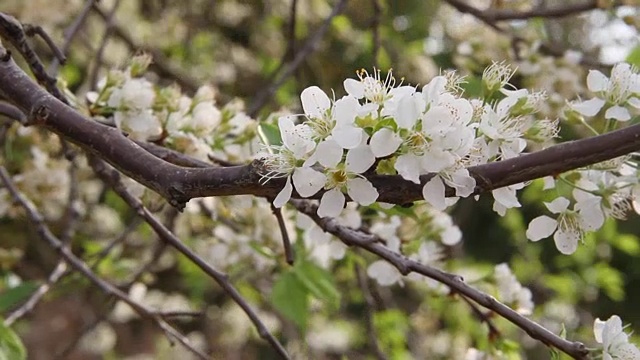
69,34
80,266
405,265
98,58
58,272
112,178
286,243
309,47
363,284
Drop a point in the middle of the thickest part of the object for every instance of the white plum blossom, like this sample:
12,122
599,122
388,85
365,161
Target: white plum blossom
567,229
511,291
133,114
615,342
384,273
345,175
623,88
378,92
505,198
496,76
335,120
297,145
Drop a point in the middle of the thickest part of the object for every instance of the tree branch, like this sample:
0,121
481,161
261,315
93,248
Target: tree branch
179,184
372,244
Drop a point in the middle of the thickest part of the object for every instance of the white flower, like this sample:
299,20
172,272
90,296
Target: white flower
503,131
497,75
297,145
620,90
384,273
511,291
568,228
135,93
139,124
345,175
374,90
326,120
505,198
615,342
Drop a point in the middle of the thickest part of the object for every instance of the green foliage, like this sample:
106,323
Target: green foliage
11,347
292,291
391,329
16,295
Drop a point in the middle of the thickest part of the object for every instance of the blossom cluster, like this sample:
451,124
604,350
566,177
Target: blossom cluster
606,190
192,125
378,127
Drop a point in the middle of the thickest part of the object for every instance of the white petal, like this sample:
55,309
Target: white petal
433,89
360,159
541,227
362,191
506,196
345,110
408,166
354,88
331,204
464,183
384,273
591,215
308,181
347,136
589,107
597,81
558,205
314,102
566,241
284,195
329,153
598,327
433,193
617,112
407,113
385,142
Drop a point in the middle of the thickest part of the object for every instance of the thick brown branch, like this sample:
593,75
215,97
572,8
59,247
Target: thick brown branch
179,184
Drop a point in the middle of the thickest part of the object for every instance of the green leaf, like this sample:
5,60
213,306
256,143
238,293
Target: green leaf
290,297
11,347
634,56
269,134
318,282
14,296
627,243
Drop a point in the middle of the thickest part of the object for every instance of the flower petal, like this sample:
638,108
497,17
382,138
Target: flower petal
558,205
541,227
360,159
354,88
566,241
597,81
362,191
308,181
618,113
433,193
589,107
314,102
284,195
347,136
408,166
385,142
331,204
328,153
